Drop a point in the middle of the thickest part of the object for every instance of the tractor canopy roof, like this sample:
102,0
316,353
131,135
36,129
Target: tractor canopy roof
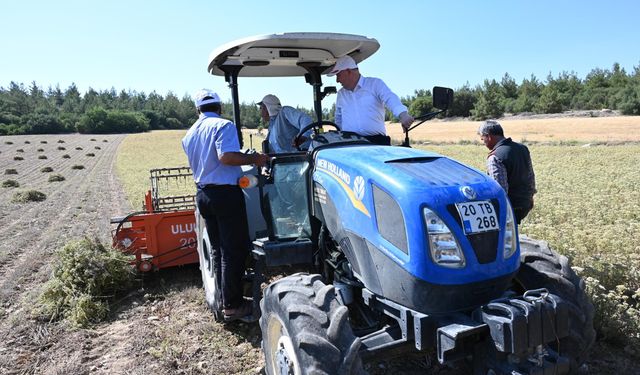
288,54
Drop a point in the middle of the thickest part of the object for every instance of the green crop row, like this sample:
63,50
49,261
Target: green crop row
588,208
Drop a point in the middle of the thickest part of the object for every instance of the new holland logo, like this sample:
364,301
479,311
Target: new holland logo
468,192
358,187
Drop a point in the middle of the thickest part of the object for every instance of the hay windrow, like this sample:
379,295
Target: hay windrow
86,276
56,178
10,183
28,196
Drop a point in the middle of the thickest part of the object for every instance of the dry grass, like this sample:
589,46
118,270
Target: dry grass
574,183
615,129
161,149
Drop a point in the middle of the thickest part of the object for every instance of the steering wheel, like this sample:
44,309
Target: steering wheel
317,125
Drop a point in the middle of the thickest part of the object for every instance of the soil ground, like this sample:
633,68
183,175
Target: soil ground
162,326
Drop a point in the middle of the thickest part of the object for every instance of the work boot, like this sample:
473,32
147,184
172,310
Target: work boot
243,313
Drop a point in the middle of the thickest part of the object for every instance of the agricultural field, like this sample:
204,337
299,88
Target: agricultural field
586,208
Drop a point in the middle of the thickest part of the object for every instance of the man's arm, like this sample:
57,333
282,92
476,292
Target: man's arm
239,158
338,110
298,119
497,171
394,104
531,178
227,146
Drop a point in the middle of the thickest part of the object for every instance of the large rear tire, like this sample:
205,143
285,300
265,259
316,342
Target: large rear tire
541,267
212,292
305,330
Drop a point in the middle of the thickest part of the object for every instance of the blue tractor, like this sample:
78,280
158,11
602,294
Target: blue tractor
406,250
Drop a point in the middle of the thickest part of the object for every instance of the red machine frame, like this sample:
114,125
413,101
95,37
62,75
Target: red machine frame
164,234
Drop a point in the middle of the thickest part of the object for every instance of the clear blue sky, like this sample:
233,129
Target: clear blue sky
164,45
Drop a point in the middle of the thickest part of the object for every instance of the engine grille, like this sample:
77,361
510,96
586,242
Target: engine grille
485,245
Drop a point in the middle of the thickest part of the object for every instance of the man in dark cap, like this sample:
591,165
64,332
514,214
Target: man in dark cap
509,163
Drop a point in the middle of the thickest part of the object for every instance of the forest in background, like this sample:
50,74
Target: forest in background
34,110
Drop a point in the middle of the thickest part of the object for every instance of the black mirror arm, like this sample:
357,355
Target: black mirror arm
423,118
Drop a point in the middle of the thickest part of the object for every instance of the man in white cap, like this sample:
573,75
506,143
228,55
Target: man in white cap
285,123
361,102
213,151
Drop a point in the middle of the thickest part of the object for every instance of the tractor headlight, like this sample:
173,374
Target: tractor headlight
510,244
445,250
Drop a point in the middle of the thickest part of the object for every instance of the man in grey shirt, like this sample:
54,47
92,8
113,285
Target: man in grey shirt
285,123
509,163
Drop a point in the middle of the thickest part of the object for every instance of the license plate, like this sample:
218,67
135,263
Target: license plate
478,216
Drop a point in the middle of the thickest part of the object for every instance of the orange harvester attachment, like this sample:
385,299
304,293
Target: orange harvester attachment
163,235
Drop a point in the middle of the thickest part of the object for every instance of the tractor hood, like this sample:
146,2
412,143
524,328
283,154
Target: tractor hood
402,168
380,194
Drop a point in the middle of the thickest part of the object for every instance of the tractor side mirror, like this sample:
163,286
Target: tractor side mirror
442,97
328,90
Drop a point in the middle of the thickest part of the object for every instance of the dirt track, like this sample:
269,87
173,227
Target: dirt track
162,326
78,206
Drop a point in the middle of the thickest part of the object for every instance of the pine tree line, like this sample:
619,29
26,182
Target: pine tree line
31,110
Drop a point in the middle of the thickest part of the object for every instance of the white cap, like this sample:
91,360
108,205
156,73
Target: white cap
343,63
205,96
272,103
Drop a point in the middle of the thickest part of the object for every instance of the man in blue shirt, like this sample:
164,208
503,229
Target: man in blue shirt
213,151
285,123
361,102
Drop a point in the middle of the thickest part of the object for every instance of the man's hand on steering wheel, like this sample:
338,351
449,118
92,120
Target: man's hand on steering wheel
316,126
298,141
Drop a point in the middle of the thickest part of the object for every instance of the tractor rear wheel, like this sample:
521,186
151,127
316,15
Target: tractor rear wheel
212,291
305,330
541,267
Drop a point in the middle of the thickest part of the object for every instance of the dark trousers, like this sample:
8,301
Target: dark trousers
521,212
379,139
224,210
376,139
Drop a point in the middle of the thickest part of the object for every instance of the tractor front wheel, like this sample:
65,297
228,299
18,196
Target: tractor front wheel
305,330
541,267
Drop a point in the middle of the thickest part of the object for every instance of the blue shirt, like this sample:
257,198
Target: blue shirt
205,142
284,127
362,110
